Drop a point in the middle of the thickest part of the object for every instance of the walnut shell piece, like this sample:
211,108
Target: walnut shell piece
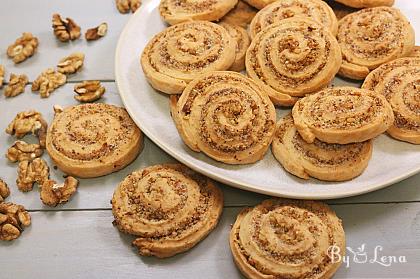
31,172
29,122
1,75
124,6
4,191
16,85
22,151
65,29
89,91
52,193
71,64
48,81
13,219
23,48
96,32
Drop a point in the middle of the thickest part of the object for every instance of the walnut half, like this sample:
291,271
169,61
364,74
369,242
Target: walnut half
1,75
22,151
48,81
23,48
29,122
4,190
71,63
31,172
97,32
124,6
53,193
65,29
16,85
13,219
89,91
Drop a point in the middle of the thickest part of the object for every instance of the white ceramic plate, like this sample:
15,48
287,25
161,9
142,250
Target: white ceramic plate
391,162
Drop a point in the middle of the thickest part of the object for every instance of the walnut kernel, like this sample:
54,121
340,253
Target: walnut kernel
13,219
53,193
65,29
4,190
1,75
22,151
97,32
71,63
57,109
89,91
124,6
29,122
31,172
23,48
48,81
16,85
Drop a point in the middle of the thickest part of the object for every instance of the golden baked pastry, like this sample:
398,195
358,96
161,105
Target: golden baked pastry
292,58
169,207
316,10
240,35
415,52
342,115
177,11
259,4
226,116
282,238
325,161
92,140
184,51
240,15
399,82
370,37
366,3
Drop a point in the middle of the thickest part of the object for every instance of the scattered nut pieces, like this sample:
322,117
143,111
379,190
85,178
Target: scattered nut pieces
97,32
13,219
89,91
124,6
48,81
58,109
1,75
31,172
65,29
16,85
22,151
53,193
71,63
29,122
4,190
23,48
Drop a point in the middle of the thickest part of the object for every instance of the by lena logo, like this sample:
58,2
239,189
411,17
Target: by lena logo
360,255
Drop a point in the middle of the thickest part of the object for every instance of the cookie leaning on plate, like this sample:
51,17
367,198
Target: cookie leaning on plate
342,115
240,35
169,207
240,15
366,3
175,11
282,238
370,37
92,140
325,161
184,51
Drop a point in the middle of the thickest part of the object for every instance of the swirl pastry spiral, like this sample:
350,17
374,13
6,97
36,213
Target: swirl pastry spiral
184,51
92,140
316,10
366,3
399,82
169,207
177,11
342,115
415,52
282,238
226,116
325,161
292,58
240,35
371,37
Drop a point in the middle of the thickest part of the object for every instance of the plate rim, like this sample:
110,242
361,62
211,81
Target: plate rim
221,178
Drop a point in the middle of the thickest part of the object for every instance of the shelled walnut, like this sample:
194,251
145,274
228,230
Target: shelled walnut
13,219
22,151
4,190
1,75
29,122
23,48
96,32
53,193
71,64
30,172
65,29
89,91
124,6
57,109
16,85
48,81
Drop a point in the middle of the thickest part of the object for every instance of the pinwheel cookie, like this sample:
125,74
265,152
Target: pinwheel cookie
342,115
366,3
399,82
226,116
325,161
184,51
316,10
240,15
282,238
176,11
92,140
169,207
240,35
370,37
292,58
